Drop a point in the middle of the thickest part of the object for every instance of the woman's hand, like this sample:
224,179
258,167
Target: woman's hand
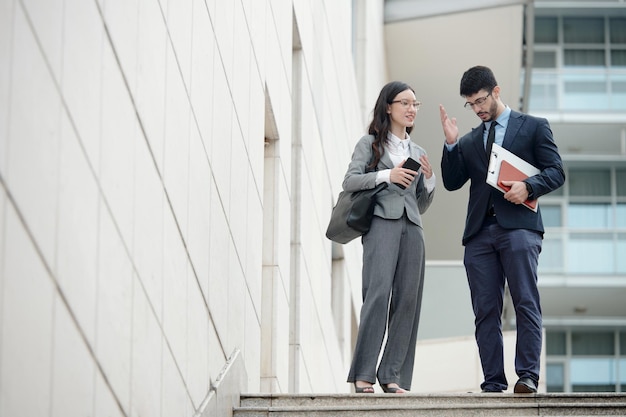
402,176
426,168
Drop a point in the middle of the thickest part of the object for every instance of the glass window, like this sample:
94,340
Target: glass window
551,258
589,216
555,377
618,87
618,58
584,87
620,176
593,375
617,26
555,343
591,254
590,182
546,30
591,366
621,249
583,29
620,216
622,362
543,92
551,215
544,59
583,58
593,343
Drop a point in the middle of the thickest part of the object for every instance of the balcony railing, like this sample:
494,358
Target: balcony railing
599,90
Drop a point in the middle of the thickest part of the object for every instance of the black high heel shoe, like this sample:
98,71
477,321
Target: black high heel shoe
369,389
392,390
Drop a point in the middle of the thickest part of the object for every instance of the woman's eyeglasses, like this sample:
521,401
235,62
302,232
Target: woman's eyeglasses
406,103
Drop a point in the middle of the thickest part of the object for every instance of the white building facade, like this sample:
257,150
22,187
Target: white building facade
167,171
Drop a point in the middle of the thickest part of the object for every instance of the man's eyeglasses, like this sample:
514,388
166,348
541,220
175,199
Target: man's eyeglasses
406,103
478,102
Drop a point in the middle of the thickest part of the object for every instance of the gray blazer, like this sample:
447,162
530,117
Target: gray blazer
393,201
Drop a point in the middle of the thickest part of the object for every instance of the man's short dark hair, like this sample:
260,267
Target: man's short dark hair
477,78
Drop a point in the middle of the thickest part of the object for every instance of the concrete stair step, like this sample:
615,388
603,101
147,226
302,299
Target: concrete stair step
440,405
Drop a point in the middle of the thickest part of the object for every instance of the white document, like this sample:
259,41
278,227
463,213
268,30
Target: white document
499,154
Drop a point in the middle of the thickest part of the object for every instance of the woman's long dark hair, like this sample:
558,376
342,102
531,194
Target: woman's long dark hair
381,122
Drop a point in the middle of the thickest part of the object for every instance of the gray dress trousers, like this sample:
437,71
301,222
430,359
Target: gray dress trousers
393,280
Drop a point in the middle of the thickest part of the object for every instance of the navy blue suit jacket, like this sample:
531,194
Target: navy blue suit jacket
526,136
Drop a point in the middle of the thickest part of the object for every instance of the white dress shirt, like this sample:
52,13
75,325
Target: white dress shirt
399,151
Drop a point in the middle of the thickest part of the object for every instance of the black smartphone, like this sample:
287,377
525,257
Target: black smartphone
412,164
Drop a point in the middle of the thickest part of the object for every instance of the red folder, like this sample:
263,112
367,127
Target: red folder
509,173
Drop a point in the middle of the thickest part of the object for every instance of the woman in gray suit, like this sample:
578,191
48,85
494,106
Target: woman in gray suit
393,249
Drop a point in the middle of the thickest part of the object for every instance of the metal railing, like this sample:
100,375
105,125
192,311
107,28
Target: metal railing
598,90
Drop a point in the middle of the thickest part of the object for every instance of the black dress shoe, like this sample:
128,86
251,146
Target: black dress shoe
525,386
491,391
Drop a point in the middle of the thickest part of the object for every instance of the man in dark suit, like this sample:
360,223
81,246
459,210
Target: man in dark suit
502,237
